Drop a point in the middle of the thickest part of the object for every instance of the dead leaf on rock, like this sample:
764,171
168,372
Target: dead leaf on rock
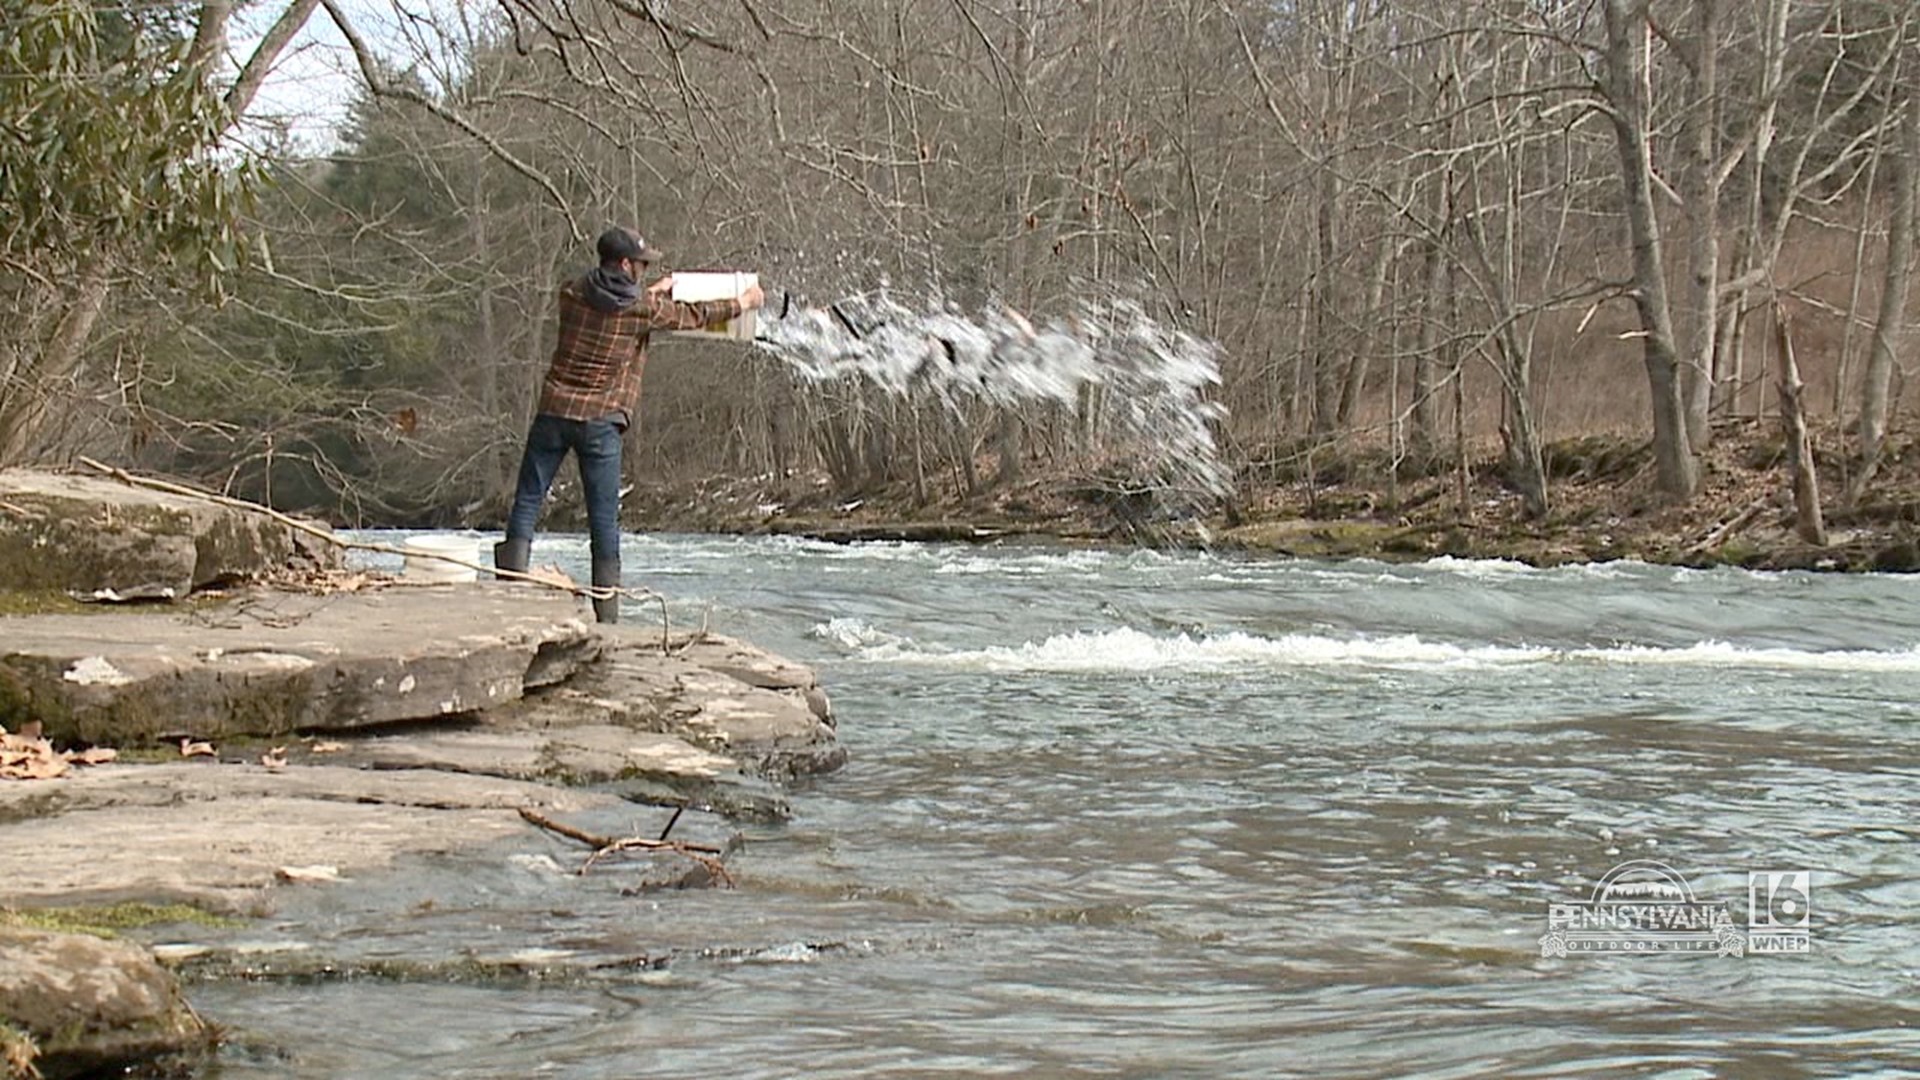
324,582
552,575
275,759
189,748
31,763
29,757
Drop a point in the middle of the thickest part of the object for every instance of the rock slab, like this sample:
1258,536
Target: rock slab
767,715
87,535
219,835
89,1004
272,663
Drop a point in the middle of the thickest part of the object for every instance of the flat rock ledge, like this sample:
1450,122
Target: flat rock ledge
92,535
269,664
331,736
270,739
344,730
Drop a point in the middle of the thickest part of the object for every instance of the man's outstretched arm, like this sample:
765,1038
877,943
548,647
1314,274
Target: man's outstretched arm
669,314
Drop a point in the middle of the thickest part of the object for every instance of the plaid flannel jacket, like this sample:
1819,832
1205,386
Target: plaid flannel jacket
597,364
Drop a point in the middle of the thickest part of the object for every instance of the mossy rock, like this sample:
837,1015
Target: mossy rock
1569,458
1594,457
1899,557
1317,539
87,1006
84,534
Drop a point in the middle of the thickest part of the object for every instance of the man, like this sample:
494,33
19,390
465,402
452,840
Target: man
590,393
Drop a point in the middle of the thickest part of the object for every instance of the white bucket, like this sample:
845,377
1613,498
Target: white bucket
421,568
693,285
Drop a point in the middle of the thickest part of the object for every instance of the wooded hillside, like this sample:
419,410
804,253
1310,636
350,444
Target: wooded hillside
1409,223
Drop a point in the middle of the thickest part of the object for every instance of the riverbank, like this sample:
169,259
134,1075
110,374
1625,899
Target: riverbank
204,711
1351,503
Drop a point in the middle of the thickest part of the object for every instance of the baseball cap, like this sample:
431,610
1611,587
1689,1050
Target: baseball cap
618,243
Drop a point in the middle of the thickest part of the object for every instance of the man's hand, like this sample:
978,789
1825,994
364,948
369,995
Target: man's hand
662,287
752,298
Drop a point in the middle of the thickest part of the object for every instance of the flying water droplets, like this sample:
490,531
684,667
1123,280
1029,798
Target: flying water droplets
1155,377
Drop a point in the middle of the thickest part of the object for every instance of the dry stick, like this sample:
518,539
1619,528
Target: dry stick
672,821
597,841
594,592
1740,521
592,840
604,846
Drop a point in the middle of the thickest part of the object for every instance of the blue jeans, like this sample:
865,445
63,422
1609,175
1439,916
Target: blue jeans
596,445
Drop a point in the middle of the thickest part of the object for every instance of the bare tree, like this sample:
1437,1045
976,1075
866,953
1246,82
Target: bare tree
1627,86
1893,298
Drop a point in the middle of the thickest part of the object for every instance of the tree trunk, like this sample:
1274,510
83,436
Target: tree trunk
28,404
1354,386
1526,466
1677,469
1700,190
1806,480
1325,373
1426,359
1893,300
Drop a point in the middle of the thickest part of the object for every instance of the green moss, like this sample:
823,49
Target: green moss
55,524
1322,539
41,602
21,702
1739,553
108,920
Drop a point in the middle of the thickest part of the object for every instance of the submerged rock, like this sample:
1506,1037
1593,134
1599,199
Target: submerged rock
220,835
89,535
90,1004
766,714
640,766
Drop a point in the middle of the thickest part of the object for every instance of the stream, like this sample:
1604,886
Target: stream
1139,814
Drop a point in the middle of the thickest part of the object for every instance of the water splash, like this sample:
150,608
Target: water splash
1156,413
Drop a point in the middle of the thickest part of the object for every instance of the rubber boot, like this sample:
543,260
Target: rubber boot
512,555
606,574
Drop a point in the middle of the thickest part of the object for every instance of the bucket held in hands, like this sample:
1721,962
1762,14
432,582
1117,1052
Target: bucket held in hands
693,286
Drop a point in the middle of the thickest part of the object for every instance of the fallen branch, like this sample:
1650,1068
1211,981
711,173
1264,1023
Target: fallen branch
604,846
1740,521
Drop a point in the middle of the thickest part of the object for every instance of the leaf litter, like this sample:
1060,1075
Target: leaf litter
26,755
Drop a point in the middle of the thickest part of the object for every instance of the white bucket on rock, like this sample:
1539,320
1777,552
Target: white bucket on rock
422,566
